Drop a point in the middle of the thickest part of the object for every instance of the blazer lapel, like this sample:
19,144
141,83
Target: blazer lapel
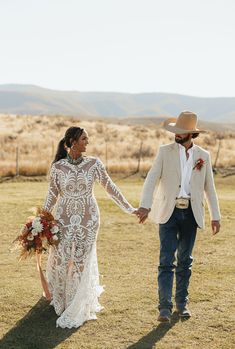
176,159
196,156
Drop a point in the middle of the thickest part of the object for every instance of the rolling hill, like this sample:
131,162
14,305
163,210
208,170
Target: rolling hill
30,99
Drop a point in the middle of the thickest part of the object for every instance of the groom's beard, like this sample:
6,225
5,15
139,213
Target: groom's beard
182,140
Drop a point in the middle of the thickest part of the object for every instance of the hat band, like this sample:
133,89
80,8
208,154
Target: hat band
184,126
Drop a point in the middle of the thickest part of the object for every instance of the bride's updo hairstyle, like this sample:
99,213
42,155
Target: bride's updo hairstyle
72,134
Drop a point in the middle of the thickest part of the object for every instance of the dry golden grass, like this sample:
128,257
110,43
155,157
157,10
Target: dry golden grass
117,145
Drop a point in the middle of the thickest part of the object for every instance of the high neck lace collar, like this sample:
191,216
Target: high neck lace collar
76,161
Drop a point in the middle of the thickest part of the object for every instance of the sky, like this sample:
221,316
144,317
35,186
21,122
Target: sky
176,46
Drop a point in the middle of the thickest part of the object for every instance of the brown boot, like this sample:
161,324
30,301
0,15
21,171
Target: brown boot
164,315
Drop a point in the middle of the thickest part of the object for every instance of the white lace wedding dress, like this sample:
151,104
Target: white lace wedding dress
72,268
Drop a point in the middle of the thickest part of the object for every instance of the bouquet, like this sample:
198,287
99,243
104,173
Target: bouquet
37,234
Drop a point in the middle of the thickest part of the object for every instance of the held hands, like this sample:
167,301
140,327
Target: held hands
142,214
215,226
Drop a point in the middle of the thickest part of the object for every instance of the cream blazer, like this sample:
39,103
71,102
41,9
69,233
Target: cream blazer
162,185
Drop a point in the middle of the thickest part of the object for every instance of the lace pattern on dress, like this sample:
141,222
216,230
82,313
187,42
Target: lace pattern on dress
72,267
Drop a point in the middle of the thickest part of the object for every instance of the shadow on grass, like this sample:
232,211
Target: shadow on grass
149,341
36,330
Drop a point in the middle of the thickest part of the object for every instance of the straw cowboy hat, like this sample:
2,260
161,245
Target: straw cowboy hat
185,123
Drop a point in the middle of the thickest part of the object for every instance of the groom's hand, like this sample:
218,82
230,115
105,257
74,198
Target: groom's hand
142,213
215,225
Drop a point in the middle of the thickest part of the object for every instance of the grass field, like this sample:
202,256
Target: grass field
128,255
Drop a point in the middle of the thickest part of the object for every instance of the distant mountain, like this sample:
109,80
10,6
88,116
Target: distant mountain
203,124
29,99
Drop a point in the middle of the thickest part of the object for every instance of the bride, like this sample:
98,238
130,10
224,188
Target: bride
72,268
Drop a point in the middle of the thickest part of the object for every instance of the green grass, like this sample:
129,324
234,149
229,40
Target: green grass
128,256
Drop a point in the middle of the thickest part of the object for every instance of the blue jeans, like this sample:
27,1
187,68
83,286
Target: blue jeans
176,235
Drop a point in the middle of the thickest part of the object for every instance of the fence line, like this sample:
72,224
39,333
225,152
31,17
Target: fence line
106,155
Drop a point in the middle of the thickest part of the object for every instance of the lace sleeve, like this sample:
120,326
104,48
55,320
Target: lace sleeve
53,190
113,191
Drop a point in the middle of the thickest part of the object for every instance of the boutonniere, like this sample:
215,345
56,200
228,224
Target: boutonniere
198,164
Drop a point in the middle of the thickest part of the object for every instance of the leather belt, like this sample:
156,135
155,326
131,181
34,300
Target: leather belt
182,203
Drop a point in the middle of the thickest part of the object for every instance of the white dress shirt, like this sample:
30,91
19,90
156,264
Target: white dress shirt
186,171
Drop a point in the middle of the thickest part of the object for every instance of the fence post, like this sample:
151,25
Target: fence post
106,154
52,149
17,162
140,154
217,155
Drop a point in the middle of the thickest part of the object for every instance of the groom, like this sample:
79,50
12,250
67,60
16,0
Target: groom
183,172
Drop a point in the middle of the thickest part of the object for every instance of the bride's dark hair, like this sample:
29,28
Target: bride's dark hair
72,134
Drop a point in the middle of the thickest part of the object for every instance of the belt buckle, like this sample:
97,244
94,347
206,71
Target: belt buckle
182,203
